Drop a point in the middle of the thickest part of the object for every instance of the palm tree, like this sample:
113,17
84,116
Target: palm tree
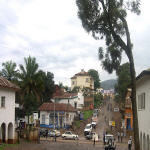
31,82
9,71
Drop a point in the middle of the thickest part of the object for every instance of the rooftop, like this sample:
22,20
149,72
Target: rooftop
4,83
82,73
56,107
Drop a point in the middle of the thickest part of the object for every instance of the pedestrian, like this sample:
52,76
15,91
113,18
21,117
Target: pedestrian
94,137
46,133
121,136
118,134
55,136
104,138
38,140
129,144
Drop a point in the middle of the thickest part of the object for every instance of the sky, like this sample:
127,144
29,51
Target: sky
51,31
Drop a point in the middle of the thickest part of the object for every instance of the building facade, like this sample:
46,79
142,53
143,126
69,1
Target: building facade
82,80
128,115
56,115
76,100
7,110
143,108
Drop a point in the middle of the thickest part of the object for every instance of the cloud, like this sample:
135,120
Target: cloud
52,32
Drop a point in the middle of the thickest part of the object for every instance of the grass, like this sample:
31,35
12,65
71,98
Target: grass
2,146
87,114
77,123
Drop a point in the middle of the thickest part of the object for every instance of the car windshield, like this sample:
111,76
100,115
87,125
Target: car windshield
88,127
68,133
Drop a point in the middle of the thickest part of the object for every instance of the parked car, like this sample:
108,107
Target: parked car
110,142
89,135
43,132
87,129
93,124
69,135
52,133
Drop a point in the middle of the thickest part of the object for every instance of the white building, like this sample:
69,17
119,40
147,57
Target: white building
56,115
75,99
7,110
143,107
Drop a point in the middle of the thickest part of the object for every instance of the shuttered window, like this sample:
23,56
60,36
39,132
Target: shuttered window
141,101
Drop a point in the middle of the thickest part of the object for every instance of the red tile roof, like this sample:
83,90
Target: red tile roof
82,73
56,107
65,95
4,83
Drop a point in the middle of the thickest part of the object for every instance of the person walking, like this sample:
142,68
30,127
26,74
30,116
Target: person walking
118,134
121,136
104,138
46,133
129,144
94,137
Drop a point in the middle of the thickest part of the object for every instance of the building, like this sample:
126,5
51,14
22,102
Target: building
143,108
128,115
76,100
82,80
7,110
56,115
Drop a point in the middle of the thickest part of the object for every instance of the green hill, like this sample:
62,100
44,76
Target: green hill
108,84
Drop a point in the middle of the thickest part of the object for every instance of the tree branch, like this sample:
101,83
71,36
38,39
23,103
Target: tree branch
116,37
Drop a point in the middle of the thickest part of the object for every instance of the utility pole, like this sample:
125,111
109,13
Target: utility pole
54,114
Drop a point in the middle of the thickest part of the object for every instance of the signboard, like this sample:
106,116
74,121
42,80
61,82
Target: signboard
116,109
110,123
113,123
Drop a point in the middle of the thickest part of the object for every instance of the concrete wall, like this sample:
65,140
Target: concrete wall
79,100
7,114
68,121
81,82
143,86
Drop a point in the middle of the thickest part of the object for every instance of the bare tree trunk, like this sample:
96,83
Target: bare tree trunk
134,103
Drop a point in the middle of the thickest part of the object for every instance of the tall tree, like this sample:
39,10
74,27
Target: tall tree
106,19
124,80
9,71
49,87
94,74
30,79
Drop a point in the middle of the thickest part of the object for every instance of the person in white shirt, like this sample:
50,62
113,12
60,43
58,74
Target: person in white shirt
129,144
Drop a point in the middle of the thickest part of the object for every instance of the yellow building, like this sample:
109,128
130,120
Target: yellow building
82,80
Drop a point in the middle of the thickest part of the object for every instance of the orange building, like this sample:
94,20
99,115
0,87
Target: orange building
128,117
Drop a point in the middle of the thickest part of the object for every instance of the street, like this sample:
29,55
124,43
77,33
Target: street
81,144
66,145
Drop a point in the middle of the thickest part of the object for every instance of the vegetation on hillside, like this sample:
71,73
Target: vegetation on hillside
108,84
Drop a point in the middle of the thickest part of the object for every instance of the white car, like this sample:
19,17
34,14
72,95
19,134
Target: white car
69,135
53,133
87,129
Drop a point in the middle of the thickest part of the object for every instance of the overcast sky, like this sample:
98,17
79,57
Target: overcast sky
51,31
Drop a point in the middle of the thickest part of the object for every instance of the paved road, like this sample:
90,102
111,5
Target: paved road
70,145
80,144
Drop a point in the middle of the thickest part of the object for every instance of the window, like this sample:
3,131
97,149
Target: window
43,119
3,101
141,101
73,82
